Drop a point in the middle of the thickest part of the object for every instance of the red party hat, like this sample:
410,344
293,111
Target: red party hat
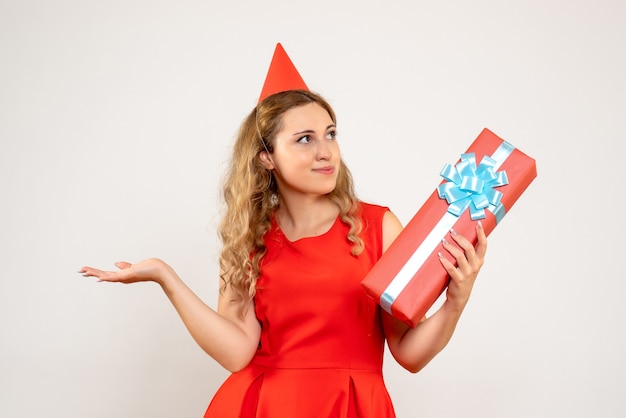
282,75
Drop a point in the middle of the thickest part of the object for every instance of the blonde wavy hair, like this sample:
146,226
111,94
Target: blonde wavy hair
251,195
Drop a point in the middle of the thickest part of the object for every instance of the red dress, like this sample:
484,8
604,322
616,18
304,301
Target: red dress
321,348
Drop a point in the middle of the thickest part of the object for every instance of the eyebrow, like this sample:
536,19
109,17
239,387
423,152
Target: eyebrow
311,131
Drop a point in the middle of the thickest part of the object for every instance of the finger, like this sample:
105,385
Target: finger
481,247
123,265
448,266
89,271
461,241
469,252
452,249
459,254
101,275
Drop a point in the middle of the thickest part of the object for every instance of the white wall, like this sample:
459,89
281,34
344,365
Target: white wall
115,123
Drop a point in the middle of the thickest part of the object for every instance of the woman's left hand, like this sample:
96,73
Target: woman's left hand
469,260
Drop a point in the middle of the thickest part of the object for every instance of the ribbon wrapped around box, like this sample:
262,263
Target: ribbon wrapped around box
483,185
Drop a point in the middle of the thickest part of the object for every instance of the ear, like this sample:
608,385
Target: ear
266,160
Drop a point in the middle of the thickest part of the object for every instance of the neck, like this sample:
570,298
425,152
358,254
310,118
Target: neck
306,215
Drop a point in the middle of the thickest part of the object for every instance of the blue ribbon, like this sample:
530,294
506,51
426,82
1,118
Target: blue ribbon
471,186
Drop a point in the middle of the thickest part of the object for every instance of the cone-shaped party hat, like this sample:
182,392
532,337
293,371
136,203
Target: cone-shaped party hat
282,75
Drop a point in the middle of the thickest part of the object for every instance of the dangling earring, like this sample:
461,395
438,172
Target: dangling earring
274,195
274,199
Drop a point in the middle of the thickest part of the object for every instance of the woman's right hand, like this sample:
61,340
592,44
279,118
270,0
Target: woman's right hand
230,338
150,270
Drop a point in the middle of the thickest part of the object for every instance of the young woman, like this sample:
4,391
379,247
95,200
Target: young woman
293,324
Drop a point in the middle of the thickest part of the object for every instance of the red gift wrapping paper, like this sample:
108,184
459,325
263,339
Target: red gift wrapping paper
429,280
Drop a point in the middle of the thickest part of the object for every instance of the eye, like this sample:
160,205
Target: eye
331,134
304,139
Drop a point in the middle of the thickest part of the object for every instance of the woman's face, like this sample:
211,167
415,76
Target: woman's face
306,157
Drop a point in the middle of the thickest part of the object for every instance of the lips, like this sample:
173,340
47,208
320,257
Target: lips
325,170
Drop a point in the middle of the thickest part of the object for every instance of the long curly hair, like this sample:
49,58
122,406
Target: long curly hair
250,194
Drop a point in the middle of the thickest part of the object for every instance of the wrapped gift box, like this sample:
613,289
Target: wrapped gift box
483,185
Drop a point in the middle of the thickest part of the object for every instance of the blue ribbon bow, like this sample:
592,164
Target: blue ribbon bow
473,187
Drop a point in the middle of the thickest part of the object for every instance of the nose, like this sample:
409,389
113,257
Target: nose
323,151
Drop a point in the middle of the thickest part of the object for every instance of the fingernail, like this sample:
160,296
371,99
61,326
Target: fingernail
480,224
452,231
445,241
439,254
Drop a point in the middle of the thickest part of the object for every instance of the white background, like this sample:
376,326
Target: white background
116,120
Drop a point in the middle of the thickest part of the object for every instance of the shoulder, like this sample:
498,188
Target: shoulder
372,212
380,221
376,213
387,223
391,228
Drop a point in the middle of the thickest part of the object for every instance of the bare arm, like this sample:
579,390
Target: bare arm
414,348
226,335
